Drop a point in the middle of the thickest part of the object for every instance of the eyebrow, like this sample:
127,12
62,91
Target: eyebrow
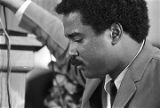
72,35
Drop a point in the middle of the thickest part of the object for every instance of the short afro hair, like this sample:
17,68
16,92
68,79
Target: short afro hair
101,14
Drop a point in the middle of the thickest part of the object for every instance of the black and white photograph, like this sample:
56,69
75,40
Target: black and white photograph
79,53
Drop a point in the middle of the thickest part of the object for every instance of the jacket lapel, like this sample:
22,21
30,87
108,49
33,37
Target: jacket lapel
133,75
125,92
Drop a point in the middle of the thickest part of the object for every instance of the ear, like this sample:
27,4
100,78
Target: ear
116,32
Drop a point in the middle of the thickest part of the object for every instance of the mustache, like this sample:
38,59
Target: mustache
76,61
73,59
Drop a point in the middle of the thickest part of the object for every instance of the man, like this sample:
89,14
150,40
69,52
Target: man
108,42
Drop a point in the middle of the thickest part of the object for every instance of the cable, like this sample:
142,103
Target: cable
5,17
8,62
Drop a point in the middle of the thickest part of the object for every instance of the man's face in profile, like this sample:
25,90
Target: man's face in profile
94,54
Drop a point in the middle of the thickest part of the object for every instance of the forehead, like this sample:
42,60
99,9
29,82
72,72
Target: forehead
72,23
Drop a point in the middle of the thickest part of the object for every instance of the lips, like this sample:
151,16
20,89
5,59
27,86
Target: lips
76,61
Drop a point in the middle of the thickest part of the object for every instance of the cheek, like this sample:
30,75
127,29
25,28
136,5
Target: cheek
94,54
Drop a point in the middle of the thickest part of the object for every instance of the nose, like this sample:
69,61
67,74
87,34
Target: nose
73,50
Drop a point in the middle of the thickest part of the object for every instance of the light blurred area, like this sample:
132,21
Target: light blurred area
41,60
154,16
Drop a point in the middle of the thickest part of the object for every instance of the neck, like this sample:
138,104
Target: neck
132,50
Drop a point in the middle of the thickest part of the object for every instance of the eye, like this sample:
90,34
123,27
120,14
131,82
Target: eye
75,37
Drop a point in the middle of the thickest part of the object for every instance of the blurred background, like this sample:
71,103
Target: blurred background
154,16
39,80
